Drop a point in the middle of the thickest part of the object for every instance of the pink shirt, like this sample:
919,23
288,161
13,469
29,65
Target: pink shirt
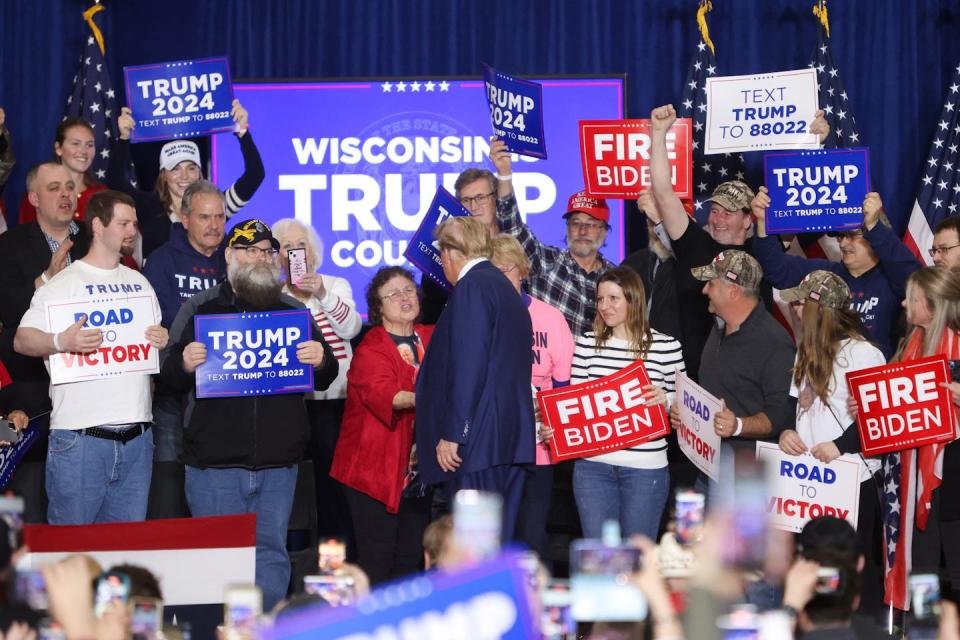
552,353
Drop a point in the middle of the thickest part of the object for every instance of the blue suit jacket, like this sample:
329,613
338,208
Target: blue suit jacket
474,384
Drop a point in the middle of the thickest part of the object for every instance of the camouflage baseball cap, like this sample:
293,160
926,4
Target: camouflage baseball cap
732,196
737,267
823,287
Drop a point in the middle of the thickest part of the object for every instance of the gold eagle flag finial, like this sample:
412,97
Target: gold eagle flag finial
820,10
705,7
97,34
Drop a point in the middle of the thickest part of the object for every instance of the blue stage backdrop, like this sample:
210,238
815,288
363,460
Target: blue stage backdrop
361,161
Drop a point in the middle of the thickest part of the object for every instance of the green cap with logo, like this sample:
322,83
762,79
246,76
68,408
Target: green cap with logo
732,196
734,266
825,288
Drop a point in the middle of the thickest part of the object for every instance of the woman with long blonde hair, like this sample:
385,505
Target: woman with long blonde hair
629,485
929,475
833,342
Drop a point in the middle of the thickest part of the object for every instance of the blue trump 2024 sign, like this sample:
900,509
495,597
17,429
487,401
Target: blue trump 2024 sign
252,354
820,190
181,99
422,252
489,601
516,111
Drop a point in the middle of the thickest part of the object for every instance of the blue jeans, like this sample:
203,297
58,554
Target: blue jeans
268,493
633,497
167,426
96,480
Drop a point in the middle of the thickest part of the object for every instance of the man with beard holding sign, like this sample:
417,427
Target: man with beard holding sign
241,452
100,456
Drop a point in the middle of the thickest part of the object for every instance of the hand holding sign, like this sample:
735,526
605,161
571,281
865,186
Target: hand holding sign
157,335
653,395
76,339
500,157
791,444
872,207
662,118
725,422
759,206
194,355
310,352
240,118
126,123
825,452
820,126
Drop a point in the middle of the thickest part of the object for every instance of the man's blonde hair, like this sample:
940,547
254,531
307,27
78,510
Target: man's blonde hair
468,236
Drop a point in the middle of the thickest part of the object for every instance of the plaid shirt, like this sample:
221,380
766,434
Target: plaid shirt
555,277
55,245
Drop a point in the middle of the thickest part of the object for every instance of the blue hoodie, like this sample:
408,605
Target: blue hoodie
876,294
177,272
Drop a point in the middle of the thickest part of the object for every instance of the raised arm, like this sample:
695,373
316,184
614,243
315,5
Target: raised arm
675,219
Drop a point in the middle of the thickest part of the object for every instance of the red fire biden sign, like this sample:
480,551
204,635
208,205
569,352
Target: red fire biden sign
603,415
903,405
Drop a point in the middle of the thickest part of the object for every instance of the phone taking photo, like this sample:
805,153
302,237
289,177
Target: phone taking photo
112,587
8,433
331,555
688,513
298,265
336,590
829,581
242,608
599,584
477,518
146,618
924,589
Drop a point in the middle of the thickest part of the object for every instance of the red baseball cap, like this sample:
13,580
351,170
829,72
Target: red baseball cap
593,207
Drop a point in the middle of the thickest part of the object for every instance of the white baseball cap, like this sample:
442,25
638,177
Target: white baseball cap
175,152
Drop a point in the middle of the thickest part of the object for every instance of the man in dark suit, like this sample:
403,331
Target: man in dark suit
475,425
31,254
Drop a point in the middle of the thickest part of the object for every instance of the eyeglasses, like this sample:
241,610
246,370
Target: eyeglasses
400,294
935,250
470,202
589,226
256,252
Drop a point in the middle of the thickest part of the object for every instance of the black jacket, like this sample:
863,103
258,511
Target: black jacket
249,432
24,255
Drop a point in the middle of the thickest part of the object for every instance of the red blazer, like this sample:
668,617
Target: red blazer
373,450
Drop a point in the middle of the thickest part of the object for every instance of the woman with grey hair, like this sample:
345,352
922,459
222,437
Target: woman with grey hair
330,301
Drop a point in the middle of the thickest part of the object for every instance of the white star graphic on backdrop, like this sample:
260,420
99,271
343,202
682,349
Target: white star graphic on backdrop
430,85
820,68
386,87
444,86
415,86
823,49
402,86
697,65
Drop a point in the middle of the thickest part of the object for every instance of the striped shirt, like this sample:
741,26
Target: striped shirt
336,316
663,359
555,277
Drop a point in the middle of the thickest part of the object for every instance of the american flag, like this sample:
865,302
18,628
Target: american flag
898,512
93,97
939,193
708,171
832,97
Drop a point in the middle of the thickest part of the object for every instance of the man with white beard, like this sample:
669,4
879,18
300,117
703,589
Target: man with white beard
241,453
